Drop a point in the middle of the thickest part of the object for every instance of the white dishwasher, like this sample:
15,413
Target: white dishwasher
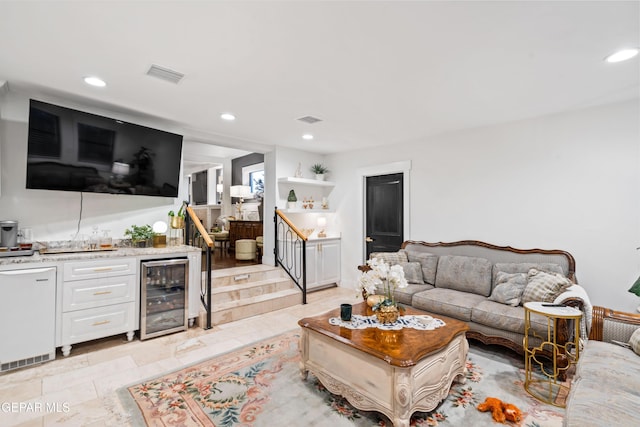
27,317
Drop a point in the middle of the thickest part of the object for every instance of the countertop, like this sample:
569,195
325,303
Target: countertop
79,256
314,237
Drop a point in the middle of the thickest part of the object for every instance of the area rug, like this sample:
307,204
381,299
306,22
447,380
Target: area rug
260,385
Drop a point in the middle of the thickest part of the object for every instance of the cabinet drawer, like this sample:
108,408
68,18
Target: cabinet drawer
92,293
99,268
85,325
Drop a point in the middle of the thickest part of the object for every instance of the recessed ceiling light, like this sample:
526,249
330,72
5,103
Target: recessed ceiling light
307,136
228,117
95,81
622,55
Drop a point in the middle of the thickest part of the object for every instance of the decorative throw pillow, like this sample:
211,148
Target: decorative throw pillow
465,274
412,272
391,258
429,263
509,288
543,286
634,341
524,267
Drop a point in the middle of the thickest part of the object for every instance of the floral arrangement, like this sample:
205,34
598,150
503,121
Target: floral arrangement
381,277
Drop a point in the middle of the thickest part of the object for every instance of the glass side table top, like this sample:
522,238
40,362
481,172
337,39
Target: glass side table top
557,312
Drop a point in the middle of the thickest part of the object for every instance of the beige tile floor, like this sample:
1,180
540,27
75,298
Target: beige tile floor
79,390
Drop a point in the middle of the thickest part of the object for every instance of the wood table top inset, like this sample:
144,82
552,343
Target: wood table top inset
403,348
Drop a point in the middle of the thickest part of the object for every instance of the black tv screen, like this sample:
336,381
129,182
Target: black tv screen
72,150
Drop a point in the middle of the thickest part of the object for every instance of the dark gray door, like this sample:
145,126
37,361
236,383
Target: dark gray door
384,213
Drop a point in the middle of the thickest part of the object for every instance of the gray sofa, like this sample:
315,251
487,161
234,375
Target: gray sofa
459,280
605,389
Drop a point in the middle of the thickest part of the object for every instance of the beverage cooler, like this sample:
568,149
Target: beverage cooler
163,307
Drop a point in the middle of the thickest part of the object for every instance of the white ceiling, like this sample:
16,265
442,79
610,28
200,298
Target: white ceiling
375,72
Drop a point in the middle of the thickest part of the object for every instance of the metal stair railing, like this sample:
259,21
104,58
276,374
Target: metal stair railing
290,251
195,231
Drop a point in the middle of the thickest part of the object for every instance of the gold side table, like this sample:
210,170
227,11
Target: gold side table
547,387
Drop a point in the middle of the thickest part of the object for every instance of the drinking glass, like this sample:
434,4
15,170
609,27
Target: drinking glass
106,242
345,312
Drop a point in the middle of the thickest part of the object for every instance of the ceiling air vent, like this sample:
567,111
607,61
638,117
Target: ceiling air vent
310,119
165,74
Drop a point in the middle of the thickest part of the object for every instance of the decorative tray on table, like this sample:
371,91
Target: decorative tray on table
24,252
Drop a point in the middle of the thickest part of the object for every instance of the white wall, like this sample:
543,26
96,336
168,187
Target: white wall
54,215
3,85
282,162
566,181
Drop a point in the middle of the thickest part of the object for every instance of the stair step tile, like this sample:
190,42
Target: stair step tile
251,289
242,292
233,276
240,309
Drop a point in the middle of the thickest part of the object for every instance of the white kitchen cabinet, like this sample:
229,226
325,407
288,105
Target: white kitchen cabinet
88,296
98,322
27,315
323,262
81,294
99,299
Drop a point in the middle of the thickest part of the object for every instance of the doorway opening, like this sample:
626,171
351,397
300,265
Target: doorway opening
385,213
385,198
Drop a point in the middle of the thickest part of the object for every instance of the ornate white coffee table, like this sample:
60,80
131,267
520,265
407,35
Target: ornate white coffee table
394,372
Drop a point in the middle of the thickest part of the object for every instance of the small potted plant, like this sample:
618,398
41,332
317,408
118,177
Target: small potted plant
292,200
140,235
320,170
177,220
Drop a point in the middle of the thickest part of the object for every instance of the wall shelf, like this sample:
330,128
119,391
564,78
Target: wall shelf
306,181
302,210
305,189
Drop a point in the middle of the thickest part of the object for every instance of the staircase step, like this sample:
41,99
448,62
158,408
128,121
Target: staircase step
256,268
236,275
231,311
242,292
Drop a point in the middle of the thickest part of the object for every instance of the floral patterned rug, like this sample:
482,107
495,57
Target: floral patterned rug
260,385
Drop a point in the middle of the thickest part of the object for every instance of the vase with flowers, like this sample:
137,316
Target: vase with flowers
385,279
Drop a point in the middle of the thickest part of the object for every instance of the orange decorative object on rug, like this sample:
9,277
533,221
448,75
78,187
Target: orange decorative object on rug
500,410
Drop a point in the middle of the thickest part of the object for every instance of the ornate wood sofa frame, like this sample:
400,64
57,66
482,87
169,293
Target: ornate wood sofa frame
619,327
506,254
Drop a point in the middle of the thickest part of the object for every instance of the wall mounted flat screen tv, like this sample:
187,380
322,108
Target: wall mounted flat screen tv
72,150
